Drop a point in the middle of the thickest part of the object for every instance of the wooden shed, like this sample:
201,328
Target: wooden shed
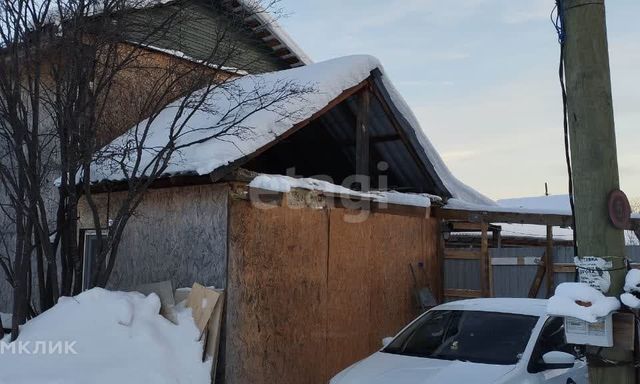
316,274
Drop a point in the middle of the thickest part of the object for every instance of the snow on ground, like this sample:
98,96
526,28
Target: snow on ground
118,337
278,183
259,128
563,302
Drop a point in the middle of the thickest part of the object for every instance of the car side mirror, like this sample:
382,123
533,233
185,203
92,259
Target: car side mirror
386,341
558,360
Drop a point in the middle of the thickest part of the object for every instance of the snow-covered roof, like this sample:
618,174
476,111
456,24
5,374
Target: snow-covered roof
552,204
329,80
531,307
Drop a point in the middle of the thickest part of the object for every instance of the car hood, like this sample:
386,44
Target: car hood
386,368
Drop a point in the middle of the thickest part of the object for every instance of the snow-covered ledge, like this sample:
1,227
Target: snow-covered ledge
581,301
285,184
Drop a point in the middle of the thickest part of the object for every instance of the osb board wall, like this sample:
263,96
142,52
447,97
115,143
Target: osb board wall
177,234
309,293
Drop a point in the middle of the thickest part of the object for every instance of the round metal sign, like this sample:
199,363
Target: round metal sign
619,209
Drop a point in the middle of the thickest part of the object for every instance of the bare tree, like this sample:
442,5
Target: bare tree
73,74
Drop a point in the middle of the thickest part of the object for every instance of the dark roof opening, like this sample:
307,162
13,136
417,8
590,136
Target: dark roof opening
326,149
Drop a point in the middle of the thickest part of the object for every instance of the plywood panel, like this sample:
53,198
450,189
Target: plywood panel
276,318
310,293
349,302
370,285
398,244
177,234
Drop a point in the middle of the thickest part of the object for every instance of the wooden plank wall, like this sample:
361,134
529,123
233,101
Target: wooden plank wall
309,293
196,32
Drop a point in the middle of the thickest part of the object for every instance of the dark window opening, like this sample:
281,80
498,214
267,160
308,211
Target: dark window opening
89,248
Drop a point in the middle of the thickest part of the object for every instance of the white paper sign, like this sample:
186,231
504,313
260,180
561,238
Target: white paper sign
595,272
581,332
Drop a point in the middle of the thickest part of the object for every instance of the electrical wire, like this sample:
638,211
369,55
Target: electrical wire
558,23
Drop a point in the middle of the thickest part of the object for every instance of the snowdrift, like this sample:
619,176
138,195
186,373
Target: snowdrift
115,337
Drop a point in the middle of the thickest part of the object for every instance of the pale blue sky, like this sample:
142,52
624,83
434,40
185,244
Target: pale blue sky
481,75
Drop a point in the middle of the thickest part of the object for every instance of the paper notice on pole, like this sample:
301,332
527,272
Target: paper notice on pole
595,272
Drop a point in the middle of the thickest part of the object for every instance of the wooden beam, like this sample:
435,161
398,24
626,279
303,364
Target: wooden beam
263,33
548,262
272,42
439,267
293,60
462,254
477,216
537,281
462,226
362,139
282,51
374,139
462,293
485,262
564,268
253,23
400,210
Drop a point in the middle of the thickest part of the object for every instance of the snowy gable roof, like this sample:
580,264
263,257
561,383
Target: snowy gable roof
330,80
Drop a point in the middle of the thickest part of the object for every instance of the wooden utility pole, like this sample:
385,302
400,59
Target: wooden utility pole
593,156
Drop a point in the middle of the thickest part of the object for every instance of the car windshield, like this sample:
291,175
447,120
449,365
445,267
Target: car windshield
475,336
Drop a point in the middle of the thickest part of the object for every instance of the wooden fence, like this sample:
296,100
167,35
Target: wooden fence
513,270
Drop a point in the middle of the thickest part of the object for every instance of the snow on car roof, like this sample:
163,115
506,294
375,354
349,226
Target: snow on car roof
531,307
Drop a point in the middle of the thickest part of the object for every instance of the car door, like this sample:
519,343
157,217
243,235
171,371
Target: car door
552,338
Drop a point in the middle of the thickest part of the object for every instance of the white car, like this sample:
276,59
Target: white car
479,341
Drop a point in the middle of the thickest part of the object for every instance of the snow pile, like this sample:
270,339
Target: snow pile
593,303
328,80
631,295
117,337
285,184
